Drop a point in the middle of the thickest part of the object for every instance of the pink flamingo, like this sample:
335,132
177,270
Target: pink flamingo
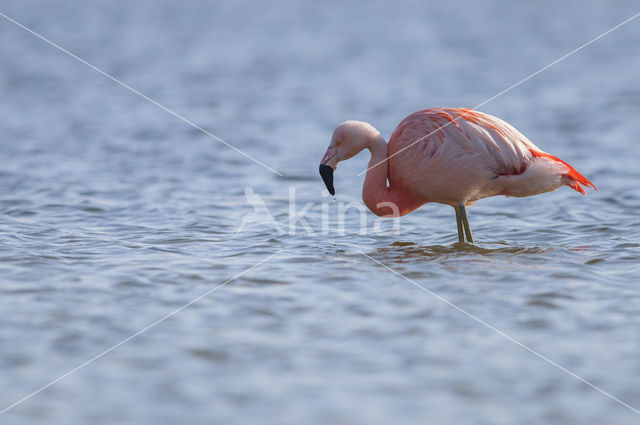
452,156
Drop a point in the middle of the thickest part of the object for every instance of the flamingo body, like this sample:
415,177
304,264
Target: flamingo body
452,156
476,156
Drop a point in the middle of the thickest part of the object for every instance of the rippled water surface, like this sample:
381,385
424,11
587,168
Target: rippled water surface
114,214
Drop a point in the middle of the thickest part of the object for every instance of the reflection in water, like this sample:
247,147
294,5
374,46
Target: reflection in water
409,250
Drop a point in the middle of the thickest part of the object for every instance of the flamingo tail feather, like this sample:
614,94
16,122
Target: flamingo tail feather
577,178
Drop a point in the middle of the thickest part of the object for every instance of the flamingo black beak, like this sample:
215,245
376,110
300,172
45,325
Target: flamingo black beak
326,172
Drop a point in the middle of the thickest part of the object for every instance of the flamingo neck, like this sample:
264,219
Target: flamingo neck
384,200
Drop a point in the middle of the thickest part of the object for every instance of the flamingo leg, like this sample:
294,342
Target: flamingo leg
459,223
465,223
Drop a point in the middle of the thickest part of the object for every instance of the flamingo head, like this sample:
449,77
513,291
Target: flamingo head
348,139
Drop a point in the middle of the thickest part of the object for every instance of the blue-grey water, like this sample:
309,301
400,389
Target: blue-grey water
114,213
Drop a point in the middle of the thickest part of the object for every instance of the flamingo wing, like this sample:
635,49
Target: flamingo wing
481,152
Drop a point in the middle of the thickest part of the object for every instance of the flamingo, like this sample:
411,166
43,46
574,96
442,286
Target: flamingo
452,156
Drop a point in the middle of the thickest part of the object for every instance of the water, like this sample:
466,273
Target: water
114,214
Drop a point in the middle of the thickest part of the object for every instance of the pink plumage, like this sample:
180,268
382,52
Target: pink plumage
452,156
